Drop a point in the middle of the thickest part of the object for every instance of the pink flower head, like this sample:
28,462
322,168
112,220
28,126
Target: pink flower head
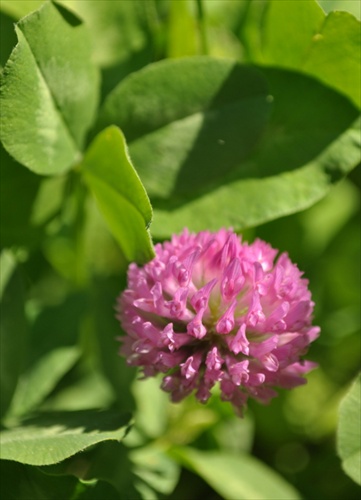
209,308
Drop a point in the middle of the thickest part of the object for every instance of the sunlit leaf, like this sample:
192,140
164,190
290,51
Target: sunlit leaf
48,91
8,37
250,202
189,121
326,47
349,432
49,438
120,195
215,143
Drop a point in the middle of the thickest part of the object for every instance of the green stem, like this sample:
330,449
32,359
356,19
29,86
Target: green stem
202,27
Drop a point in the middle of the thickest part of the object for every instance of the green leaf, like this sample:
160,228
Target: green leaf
121,197
236,477
326,47
37,382
211,154
346,5
349,432
48,91
121,38
84,388
22,482
13,330
188,122
49,438
249,202
118,28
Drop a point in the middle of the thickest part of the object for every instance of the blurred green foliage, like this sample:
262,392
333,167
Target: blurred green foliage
62,269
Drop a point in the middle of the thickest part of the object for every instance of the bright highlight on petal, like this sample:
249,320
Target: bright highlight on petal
210,308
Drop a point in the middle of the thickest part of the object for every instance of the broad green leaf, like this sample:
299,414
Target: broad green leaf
349,432
326,47
340,36
49,438
48,91
13,330
188,122
250,202
236,477
305,16
121,197
211,154
37,382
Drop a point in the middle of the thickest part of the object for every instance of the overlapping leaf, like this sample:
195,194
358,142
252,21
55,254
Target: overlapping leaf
120,195
217,143
326,47
48,91
49,438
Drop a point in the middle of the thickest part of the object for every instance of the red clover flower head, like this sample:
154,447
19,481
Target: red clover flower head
210,308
